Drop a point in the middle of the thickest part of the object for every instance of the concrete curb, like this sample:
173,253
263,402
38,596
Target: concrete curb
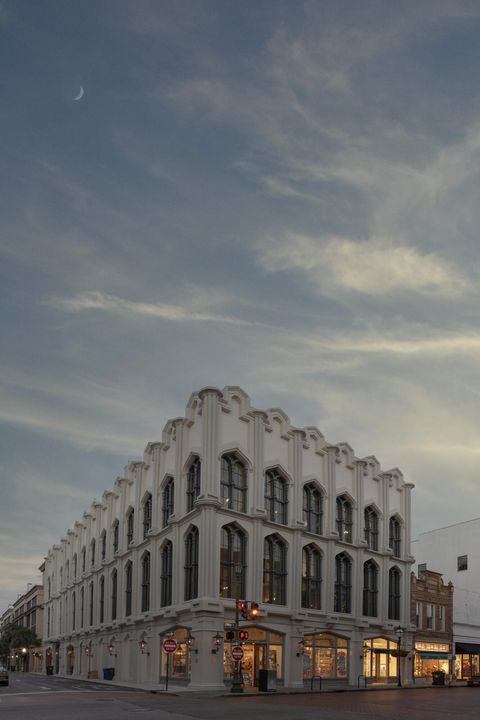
178,691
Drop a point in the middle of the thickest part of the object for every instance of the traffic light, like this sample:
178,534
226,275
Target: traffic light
242,607
243,634
230,635
254,610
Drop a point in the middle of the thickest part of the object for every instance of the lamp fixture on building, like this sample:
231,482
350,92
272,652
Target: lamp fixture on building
217,641
301,648
365,649
111,650
143,647
190,642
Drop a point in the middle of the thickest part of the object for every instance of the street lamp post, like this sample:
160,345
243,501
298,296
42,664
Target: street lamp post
399,655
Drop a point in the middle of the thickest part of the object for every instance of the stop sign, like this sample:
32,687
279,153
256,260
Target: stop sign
237,652
169,645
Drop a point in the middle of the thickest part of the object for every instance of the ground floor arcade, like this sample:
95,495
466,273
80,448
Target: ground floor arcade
203,654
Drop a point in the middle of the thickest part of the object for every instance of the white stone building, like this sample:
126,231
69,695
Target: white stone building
454,551
236,503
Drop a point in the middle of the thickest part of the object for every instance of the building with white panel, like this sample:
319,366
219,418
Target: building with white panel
234,504
454,550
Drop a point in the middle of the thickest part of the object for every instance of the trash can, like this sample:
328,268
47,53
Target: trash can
438,677
267,680
108,673
49,669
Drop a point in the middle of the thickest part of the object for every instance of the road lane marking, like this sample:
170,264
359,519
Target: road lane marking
42,692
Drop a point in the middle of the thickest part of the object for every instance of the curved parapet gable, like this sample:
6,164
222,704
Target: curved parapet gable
347,452
396,478
235,394
277,418
316,438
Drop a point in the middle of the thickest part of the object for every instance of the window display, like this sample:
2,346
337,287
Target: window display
325,655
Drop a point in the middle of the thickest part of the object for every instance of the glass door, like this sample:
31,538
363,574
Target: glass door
260,660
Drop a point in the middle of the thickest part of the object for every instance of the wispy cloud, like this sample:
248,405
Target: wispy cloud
65,426
374,267
111,303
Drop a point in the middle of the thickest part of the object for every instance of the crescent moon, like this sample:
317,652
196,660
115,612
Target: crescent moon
81,93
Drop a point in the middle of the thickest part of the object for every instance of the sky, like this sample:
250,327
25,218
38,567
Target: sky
279,195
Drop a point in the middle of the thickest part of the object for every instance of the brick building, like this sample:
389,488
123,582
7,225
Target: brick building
432,615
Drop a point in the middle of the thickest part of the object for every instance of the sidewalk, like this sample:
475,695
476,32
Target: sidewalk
178,690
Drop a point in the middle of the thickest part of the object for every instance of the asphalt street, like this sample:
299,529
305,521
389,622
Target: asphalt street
52,698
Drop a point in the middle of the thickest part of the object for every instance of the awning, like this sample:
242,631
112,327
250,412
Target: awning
432,655
467,648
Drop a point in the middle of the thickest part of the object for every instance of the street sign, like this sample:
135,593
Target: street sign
237,653
169,645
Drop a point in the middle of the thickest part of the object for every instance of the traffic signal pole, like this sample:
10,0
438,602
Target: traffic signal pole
237,681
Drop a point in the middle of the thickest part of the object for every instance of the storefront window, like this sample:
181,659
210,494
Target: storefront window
325,655
262,651
180,660
466,664
429,657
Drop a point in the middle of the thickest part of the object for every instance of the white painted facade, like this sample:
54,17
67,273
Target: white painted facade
217,423
444,550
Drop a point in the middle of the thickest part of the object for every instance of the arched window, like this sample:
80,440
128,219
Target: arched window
114,594
370,588
102,599
115,527
128,588
191,564
146,582
274,570
394,595
92,554
82,607
74,609
395,536
67,572
166,575
90,614
147,515
233,483
313,509
130,524
233,562
371,527
311,577
276,496
168,500
103,544
343,584
84,559
75,568
193,482
344,519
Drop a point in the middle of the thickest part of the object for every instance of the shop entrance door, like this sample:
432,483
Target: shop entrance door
260,660
380,667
